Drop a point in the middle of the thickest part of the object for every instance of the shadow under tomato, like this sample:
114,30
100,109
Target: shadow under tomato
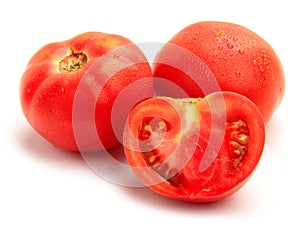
38,148
275,144
229,206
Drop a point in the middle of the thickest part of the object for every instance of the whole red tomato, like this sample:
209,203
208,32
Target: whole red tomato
53,75
239,59
195,149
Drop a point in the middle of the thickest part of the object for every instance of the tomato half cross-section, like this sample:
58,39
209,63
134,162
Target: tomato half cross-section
240,60
53,75
195,149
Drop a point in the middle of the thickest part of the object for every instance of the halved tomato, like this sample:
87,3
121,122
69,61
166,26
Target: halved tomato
194,149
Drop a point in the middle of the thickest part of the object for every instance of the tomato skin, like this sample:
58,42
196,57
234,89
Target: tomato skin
48,87
224,175
240,60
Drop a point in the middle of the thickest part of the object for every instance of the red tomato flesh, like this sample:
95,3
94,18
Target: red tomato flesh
194,149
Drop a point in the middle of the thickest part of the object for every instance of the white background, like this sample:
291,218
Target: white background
45,187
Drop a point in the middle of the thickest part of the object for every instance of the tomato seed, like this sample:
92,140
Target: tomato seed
234,144
148,128
151,159
161,126
243,139
237,152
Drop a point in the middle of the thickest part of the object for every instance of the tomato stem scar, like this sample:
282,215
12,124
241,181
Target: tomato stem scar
73,62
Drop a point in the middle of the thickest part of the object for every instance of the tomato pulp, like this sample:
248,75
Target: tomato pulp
194,149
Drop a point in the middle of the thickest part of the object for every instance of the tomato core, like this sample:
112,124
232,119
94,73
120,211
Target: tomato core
73,62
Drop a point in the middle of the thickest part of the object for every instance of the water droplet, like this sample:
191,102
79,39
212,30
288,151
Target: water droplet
220,47
267,67
230,45
280,90
235,38
28,90
241,51
254,62
238,74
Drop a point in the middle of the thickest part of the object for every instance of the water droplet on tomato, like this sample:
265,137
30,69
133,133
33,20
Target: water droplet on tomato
235,38
254,62
220,47
280,90
230,45
28,90
238,74
241,51
261,68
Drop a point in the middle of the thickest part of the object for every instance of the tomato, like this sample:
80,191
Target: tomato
240,60
194,149
53,75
